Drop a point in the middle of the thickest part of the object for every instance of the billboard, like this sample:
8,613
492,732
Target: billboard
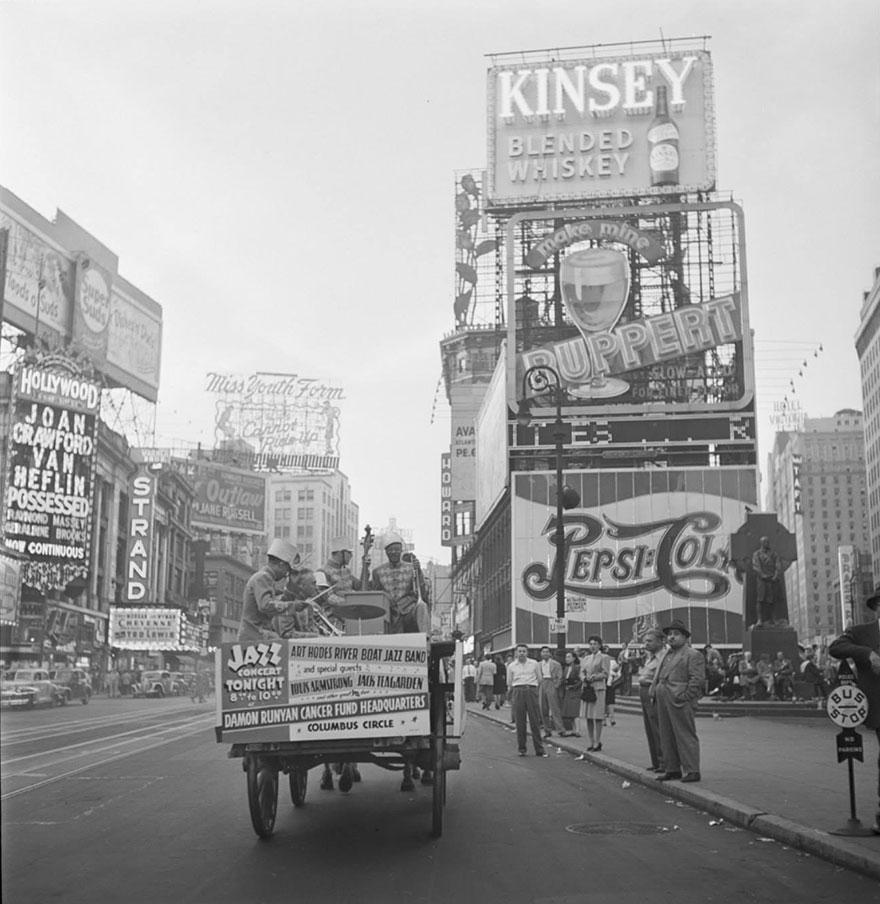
63,294
644,547
645,308
847,575
607,126
139,540
323,688
290,421
52,451
10,588
227,498
150,628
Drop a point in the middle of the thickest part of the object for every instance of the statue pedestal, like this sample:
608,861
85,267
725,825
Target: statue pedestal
772,640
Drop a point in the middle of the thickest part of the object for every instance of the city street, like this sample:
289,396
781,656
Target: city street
134,798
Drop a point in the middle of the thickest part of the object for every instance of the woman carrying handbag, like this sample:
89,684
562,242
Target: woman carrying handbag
595,668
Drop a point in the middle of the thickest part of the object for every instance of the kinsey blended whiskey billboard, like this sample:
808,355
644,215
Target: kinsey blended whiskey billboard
48,493
640,307
565,130
642,548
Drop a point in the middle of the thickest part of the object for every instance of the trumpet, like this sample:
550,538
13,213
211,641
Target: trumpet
323,623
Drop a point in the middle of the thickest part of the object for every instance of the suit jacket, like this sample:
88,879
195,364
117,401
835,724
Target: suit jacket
857,643
555,670
683,672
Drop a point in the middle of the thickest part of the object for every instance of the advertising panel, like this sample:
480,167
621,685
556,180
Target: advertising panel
47,511
491,423
227,498
644,547
10,588
63,294
150,628
642,319
289,420
846,571
323,688
139,542
39,283
565,130
134,340
445,499
91,310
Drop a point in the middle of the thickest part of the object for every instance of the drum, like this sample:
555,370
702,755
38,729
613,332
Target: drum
364,611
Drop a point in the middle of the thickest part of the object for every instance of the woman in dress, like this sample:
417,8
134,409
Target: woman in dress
571,695
500,682
595,668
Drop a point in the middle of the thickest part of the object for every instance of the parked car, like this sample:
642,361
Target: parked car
76,681
182,682
157,684
27,688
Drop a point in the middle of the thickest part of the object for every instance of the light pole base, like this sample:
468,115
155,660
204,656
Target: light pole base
854,829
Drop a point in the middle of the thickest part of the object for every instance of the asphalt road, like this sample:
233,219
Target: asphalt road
134,801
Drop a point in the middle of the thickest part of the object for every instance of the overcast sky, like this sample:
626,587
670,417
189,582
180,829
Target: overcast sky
278,176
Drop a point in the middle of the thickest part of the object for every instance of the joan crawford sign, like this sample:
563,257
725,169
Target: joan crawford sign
644,547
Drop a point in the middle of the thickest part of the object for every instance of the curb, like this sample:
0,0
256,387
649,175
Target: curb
793,834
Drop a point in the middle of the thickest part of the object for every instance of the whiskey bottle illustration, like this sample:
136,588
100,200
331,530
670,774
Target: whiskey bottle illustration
663,143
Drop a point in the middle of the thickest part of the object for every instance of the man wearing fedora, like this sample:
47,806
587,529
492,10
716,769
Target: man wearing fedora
678,684
861,643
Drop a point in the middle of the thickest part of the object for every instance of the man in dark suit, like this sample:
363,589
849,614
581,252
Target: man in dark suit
861,643
678,684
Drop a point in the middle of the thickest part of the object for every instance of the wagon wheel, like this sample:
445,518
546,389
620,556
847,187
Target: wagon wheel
299,776
262,785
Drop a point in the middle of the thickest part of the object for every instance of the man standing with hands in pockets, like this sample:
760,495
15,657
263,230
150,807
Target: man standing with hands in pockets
523,679
678,685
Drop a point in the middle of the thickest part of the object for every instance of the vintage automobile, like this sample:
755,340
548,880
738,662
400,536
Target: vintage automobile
76,682
27,688
157,684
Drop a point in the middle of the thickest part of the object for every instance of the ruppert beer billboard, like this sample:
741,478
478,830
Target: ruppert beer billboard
49,487
651,311
644,547
565,130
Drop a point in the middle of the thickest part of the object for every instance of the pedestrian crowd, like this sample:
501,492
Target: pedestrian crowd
576,698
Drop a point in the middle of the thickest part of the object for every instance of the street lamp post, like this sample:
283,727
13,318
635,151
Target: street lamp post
538,379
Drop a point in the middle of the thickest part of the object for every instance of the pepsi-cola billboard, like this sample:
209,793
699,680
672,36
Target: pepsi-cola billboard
644,547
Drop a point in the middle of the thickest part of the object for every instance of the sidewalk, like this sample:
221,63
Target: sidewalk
779,778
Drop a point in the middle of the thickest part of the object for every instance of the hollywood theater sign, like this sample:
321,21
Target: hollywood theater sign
623,125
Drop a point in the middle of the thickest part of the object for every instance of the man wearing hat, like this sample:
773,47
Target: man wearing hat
405,589
861,643
262,602
678,684
339,575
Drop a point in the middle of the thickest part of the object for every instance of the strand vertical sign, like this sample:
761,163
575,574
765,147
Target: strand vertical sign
140,532
47,500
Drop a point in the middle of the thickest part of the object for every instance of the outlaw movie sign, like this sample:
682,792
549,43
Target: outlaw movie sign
289,420
324,688
563,130
228,498
50,475
644,547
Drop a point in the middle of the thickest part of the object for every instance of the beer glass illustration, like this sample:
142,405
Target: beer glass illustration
595,286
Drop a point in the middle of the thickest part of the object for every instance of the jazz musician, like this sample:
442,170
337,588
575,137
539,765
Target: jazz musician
405,589
262,599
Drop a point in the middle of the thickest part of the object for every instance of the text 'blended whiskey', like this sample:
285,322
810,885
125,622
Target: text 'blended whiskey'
663,143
